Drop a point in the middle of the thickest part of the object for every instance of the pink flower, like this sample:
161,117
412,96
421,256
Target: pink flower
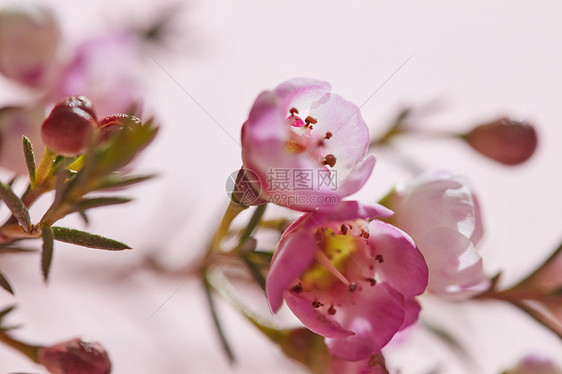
348,279
76,356
307,146
14,123
441,213
103,70
29,39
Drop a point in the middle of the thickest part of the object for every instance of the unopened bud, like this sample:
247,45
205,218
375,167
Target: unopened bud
29,38
69,127
504,140
81,102
533,364
76,356
112,125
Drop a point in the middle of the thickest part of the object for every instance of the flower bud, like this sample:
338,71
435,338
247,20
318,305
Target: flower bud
504,140
69,127
75,356
534,365
81,102
29,38
112,125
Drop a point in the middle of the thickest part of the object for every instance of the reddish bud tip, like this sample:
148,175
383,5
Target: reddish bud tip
76,356
69,127
81,102
507,141
110,125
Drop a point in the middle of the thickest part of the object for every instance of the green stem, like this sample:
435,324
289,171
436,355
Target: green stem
231,212
254,222
44,168
31,351
216,321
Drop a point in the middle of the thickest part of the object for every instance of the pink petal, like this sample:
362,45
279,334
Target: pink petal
374,364
294,255
403,265
313,319
301,92
358,177
436,199
411,313
349,210
350,135
376,315
456,266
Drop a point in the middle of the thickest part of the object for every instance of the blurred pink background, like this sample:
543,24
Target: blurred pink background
476,59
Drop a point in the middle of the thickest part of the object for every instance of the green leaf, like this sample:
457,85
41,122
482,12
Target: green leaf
5,284
121,149
4,312
29,158
216,321
16,206
15,249
115,180
255,272
97,202
47,254
85,239
254,222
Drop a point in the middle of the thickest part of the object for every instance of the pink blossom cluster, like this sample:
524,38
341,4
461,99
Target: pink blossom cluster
351,270
34,54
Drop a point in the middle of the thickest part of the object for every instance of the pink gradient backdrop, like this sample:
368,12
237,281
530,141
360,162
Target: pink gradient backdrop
478,59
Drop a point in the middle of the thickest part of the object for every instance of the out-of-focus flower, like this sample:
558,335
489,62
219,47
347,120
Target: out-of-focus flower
533,364
29,39
308,147
347,279
103,70
441,213
14,123
76,356
504,140
70,126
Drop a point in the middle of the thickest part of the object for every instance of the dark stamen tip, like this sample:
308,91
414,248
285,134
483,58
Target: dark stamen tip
310,119
329,159
317,304
297,289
